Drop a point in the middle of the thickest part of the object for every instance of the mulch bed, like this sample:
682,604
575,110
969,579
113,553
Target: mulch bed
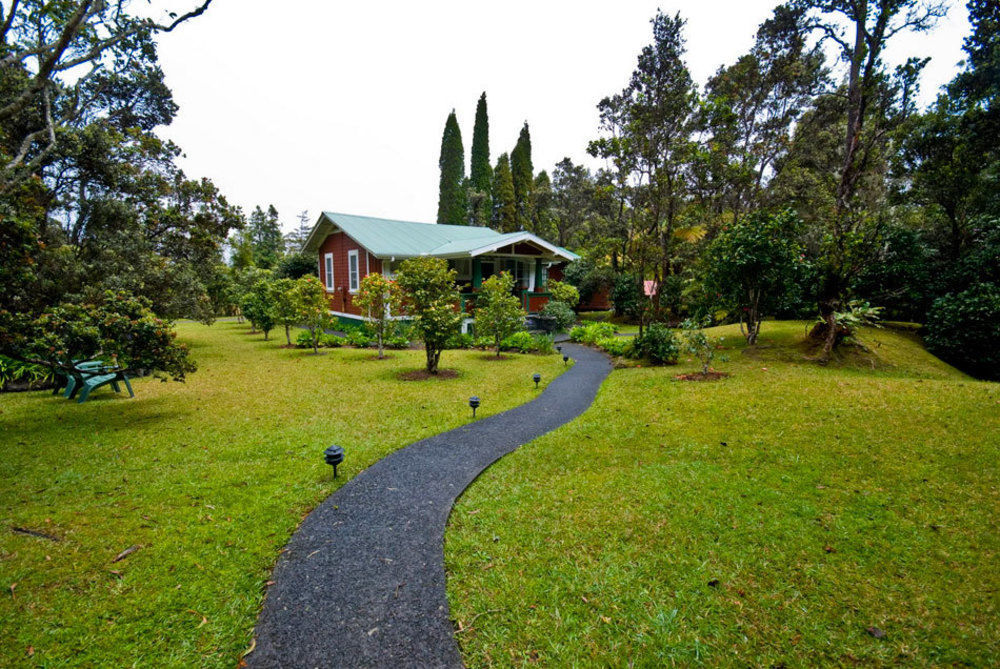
698,376
423,375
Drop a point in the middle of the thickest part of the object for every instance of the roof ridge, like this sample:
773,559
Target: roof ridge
399,220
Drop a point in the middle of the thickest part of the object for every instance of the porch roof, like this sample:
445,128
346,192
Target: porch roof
386,238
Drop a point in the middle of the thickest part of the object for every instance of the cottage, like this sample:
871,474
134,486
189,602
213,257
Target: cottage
350,247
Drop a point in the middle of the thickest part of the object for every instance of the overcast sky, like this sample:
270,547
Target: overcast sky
340,106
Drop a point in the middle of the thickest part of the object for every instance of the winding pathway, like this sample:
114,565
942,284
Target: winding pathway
362,582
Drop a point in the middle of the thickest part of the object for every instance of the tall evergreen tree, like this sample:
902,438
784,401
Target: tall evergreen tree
481,174
265,237
523,174
504,206
452,201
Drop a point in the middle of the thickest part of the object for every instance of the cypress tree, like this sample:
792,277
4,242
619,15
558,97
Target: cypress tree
481,175
452,203
522,173
504,206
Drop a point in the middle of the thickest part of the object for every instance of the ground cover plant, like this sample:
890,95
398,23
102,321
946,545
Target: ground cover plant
790,515
208,479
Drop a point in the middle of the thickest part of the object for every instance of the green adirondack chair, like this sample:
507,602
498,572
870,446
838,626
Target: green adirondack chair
95,376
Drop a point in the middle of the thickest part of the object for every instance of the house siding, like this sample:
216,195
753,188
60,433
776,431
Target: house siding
339,244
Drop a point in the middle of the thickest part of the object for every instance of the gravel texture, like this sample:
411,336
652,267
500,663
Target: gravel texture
362,582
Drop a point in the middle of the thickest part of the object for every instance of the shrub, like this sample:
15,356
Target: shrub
564,292
463,340
658,344
525,342
304,339
15,371
592,332
314,309
619,346
330,341
561,313
482,342
358,338
379,298
700,345
964,329
627,297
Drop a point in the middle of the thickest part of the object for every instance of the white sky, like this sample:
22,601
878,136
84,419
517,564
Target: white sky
320,105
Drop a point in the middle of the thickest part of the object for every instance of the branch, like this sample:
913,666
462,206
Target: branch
10,20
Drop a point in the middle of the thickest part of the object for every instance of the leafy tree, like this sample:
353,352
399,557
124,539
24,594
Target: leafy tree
379,298
964,329
861,30
265,237
286,305
314,308
295,239
573,200
564,292
498,311
296,265
522,176
431,298
452,202
750,264
504,205
627,297
699,344
589,278
118,328
480,173
62,63
543,221
259,305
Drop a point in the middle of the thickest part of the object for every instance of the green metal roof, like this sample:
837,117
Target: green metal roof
386,238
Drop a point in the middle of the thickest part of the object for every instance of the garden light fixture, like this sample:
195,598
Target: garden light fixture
334,456
536,378
565,359
474,403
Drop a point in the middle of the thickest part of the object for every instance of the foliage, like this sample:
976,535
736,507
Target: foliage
480,172
431,298
564,292
295,266
589,278
699,344
380,300
964,329
522,179
119,329
658,344
266,242
561,314
525,342
622,347
504,204
592,332
750,264
498,310
466,340
452,202
627,297
573,195
286,306
358,337
259,304
15,371
314,308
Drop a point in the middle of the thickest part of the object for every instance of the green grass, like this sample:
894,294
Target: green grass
767,519
209,478
600,316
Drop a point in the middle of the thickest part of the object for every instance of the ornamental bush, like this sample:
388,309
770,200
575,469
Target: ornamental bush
431,298
564,292
658,344
592,332
964,329
561,313
622,347
498,311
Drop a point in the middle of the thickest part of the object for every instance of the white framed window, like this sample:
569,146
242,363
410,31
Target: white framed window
353,271
328,270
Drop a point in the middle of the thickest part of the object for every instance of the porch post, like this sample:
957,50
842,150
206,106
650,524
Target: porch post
477,273
538,275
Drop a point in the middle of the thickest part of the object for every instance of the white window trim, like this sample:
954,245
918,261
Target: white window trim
328,268
353,287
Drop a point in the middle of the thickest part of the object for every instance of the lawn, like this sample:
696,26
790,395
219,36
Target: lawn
600,316
208,478
791,515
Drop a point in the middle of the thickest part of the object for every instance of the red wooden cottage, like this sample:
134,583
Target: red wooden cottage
350,247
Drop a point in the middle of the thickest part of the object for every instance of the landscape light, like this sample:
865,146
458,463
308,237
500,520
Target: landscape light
536,378
565,359
474,403
334,456
559,348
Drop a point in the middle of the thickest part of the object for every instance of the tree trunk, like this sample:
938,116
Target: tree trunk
381,348
288,334
432,359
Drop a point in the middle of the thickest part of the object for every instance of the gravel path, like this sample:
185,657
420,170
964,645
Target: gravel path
362,582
